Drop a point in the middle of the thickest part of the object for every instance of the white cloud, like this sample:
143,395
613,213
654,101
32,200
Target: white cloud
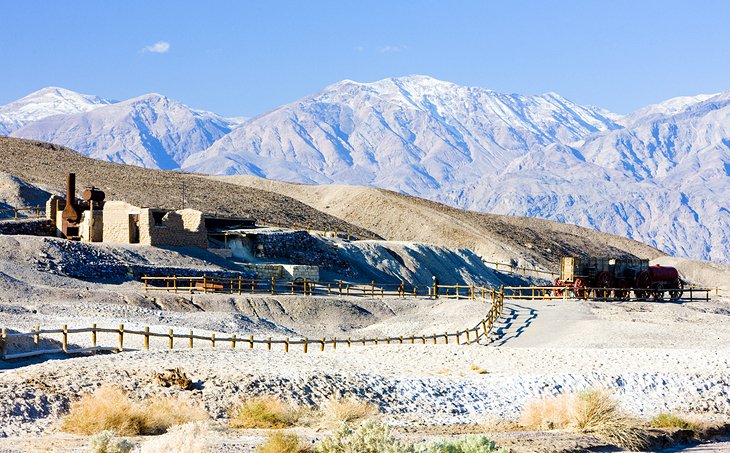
390,48
158,47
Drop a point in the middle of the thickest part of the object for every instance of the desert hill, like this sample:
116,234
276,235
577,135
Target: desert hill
405,218
46,165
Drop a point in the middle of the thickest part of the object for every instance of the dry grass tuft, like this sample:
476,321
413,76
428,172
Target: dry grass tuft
593,412
107,409
477,369
164,412
673,421
110,409
263,412
347,409
277,442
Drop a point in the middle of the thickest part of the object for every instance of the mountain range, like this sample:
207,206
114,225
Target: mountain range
660,175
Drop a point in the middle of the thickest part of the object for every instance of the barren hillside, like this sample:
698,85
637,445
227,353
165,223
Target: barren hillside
46,165
404,218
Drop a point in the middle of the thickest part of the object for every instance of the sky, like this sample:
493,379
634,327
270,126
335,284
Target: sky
244,58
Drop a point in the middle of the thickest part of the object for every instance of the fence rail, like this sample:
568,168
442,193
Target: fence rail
465,336
512,269
688,293
240,285
36,212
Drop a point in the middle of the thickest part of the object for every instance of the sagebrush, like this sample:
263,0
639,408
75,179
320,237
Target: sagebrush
107,442
466,444
370,437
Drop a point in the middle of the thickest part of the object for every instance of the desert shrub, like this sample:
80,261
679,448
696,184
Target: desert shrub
593,412
107,409
188,438
106,442
110,409
278,442
263,412
665,420
162,413
371,437
466,444
347,409
548,413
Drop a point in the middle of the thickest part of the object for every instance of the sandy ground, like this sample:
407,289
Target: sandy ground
656,357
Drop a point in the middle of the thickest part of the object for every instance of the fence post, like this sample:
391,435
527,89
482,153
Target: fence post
121,337
174,282
458,340
306,341
468,341
239,284
304,287
446,337
321,346
272,285
286,344
250,342
484,326
191,339
170,339
212,340
435,339
268,344
372,289
205,285
334,342
349,342
233,341
145,282
339,287
146,338
457,291
400,339
37,338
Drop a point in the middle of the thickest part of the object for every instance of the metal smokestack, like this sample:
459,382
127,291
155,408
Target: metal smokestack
71,189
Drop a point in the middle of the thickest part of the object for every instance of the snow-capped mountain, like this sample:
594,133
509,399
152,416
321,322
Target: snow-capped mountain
413,134
150,131
660,175
45,103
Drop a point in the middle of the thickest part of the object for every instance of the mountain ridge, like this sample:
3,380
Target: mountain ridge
659,174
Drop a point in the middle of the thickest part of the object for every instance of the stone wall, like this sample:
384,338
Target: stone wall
31,227
298,247
96,229
184,228
116,222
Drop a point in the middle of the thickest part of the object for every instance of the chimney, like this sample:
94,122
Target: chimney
71,189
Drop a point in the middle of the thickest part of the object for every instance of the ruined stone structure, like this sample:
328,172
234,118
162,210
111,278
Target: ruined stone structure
131,224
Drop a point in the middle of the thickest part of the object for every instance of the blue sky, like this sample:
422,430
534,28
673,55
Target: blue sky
245,58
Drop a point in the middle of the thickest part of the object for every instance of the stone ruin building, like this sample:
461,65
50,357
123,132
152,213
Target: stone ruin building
92,219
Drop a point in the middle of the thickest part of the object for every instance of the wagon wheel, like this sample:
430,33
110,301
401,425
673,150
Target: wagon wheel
558,291
605,281
676,293
579,289
657,291
643,284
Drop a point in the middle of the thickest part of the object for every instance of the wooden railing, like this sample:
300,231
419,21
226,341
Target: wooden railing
520,270
205,284
465,336
36,212
688,293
